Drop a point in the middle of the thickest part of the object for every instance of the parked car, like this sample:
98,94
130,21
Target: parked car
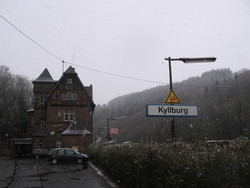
67,155
40,153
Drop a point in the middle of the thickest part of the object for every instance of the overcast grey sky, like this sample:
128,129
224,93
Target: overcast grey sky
124,37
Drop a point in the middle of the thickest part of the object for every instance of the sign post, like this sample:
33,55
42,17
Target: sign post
172,97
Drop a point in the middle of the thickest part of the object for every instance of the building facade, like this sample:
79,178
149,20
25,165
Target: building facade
63,112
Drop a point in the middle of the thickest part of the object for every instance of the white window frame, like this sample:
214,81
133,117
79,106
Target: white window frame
69,96
68,115
58,143
70,81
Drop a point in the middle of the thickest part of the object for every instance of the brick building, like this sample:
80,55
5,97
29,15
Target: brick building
63,112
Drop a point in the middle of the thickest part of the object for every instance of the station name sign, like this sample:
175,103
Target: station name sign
161,110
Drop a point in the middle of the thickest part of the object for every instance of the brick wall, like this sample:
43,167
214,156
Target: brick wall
53,107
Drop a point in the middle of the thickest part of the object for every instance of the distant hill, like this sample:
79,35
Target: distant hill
222,98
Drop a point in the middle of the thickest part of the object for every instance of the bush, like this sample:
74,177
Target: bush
175,164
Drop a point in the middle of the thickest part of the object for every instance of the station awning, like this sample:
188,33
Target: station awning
22,140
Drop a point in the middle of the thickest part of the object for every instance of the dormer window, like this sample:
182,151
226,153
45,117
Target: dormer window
70,81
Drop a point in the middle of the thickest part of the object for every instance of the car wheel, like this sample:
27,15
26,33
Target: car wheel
54,161
79,161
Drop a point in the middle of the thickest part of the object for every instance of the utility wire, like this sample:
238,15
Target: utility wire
40,46
117,75
64,63
95,70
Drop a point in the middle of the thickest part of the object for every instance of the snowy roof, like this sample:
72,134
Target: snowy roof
76,127
30,110
44,77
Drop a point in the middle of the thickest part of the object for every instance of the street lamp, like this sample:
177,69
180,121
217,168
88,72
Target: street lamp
184,60
108,119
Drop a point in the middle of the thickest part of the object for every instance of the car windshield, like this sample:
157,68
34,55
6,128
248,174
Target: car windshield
77,152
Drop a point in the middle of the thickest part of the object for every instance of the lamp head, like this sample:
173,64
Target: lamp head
193,60
198,60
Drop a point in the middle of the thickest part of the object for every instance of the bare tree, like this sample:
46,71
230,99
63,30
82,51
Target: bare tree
15,99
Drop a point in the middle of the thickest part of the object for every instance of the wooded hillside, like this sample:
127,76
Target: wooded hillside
223,106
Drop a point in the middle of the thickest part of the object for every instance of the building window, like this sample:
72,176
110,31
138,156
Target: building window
58,143
42,123
40,144
68,115
42,99
69,96
70,81
32,122
74,96
64,96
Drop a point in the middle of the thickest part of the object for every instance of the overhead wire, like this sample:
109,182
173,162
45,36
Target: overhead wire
91,69
64,62
117,75
39,45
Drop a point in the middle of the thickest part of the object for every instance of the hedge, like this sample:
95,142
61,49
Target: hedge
175,164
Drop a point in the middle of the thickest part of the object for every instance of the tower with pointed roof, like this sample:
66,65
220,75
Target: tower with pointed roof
63,112
43,86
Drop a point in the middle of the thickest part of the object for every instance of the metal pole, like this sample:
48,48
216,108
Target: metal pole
62,66
173,128
171,88
99,132
108,137
170,74
185,60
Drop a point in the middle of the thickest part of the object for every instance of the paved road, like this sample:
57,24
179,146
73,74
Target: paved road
7,168
39,173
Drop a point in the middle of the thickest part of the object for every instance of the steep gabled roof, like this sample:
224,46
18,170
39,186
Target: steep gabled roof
76,127
87,90
44,77
70,70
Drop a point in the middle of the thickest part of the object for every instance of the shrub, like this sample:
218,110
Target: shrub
175,164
